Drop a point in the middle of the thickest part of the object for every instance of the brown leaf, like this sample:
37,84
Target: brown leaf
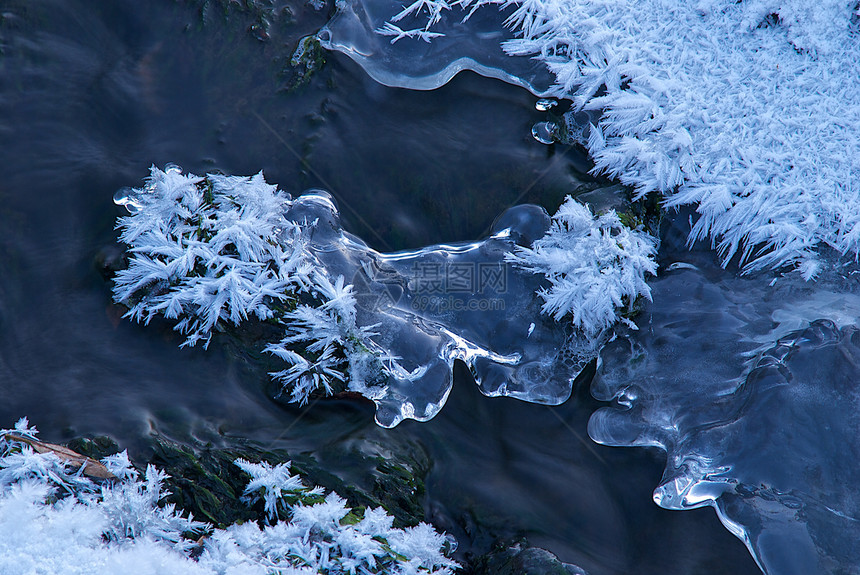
92,468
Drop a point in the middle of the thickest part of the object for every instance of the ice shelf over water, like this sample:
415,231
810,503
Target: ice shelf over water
372,33
755,403
526,309
748,110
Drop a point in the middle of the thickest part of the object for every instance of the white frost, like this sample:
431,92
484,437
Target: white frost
204,251
594,265
58,522
219,249
748,110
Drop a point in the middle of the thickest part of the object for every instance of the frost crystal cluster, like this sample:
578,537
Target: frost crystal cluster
594,268
54,518
748,110
220,249
215,250
206,250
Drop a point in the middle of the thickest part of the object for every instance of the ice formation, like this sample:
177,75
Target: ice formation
376,35
757,415
747,110
54,519
216,250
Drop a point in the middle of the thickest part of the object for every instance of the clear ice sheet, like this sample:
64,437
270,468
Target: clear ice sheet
443,303
413,63
755,403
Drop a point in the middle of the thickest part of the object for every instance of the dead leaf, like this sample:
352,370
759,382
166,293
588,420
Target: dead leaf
92,468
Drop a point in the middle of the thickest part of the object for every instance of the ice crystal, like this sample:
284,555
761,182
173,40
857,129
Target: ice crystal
594,267
330,333
49,523
207,251
272,483
220,249
747,110
390,29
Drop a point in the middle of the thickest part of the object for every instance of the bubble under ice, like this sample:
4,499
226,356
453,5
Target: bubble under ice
775,451
451,302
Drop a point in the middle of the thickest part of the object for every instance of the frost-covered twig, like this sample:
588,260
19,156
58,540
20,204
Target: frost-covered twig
594,266
126,509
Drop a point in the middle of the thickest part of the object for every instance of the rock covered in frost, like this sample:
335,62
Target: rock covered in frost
215,251
53,515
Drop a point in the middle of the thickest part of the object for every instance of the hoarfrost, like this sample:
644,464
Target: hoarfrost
53,520
594,268
747,110
215,250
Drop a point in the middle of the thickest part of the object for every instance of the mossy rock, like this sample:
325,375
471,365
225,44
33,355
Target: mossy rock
204,480
520,559
387,476
307,59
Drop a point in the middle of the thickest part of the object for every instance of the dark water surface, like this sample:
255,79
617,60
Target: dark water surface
93,93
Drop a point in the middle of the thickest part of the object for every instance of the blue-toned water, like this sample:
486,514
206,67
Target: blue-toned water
91,94
748,383
758,413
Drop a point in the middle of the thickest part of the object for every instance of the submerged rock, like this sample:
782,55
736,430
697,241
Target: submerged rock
218,251
521,559
307,60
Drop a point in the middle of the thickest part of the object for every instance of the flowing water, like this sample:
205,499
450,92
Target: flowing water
91,94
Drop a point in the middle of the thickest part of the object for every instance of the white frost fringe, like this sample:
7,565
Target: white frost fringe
56,521
594,266
749,110
218,249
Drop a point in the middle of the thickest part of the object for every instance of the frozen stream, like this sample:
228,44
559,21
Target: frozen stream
91,96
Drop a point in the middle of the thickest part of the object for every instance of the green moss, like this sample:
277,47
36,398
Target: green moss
307,59
205,481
